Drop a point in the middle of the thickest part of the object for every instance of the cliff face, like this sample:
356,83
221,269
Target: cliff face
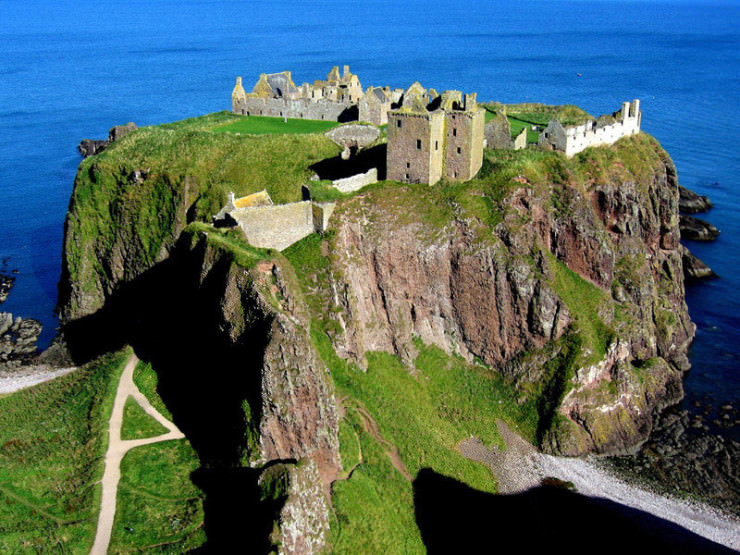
598,261
291,420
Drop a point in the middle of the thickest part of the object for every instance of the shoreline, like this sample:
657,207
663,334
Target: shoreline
521,467
28,376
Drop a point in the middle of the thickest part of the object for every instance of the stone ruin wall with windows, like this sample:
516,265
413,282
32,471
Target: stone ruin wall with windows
431,137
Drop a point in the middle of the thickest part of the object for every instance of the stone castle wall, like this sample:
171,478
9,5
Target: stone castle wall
303,108
464,152
520,141
415,144
356,182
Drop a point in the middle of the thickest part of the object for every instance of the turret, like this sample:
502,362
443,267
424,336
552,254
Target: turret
625,111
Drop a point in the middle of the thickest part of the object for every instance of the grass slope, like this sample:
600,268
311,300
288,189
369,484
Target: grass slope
52,441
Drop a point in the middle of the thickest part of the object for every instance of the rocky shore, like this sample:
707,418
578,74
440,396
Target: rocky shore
6,281
681,455
691,203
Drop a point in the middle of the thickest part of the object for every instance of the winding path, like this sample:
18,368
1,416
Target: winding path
118,447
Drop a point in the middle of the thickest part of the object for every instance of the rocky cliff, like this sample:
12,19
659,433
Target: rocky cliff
561,277
576,293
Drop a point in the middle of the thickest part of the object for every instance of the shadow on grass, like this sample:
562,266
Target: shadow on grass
173,320
361,162
454,518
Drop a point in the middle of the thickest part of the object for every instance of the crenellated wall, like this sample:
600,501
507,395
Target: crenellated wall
605,131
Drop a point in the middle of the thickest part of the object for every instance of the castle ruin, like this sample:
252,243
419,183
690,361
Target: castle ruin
336,98
604,131
275,94
431,136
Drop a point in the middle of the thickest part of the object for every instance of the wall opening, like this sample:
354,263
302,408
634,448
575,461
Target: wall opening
459,150
454,132
436,145
418,144
398,123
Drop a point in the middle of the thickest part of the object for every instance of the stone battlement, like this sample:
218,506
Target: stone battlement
604,131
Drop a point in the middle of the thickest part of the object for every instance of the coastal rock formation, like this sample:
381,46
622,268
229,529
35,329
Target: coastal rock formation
693,268
501,299
697,230
6,284
563,277
690,203
17,339
293,415
90,147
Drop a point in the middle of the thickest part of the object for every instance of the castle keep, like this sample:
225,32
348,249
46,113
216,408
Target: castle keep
604,131
432,136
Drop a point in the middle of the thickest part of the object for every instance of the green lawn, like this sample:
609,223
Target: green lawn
518,124
52,441
264,125
137,424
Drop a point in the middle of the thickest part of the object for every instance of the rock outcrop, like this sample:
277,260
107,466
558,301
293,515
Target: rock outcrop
697,230
18,338
693,268
565,277
691,203
295,424
90,147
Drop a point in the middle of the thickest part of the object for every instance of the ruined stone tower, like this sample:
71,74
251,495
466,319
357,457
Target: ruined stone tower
432,136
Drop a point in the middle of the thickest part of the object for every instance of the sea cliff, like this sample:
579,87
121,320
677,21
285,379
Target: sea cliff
551,289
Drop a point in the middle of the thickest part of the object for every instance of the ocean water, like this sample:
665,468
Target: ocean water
71,70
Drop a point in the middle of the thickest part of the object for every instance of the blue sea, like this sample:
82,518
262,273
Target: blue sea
72,69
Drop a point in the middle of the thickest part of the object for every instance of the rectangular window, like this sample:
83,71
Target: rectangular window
454,132
436,145
407,176
459,150
398,123
418,144
408,165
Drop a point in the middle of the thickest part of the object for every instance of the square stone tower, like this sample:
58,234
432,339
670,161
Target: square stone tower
431,137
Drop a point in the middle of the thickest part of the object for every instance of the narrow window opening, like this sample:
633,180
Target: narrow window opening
407,176
418,144
436,145
459,150
454,132
408,165
398,123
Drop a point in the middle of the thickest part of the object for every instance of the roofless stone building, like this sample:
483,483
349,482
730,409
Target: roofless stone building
431,136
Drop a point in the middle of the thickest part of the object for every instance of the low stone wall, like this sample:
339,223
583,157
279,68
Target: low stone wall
354,134
279,226
356,182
